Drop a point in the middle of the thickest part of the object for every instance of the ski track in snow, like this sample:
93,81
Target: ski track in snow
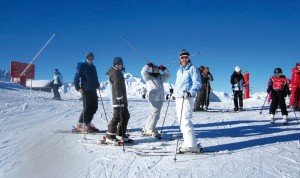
30,148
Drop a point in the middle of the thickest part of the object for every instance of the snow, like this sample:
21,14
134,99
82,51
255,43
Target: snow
246,144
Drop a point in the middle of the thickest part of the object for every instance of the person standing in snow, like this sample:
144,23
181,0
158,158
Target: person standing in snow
154,81
118,125
57,82
279,88
202,98
188,83
238,83
86,82
295,86
144,92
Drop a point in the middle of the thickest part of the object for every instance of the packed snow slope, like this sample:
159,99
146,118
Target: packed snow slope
245,144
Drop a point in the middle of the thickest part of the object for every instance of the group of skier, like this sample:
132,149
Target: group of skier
190,82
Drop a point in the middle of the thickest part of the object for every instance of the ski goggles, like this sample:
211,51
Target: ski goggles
186,57
90,58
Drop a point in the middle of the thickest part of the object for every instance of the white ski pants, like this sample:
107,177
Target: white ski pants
154,114
184,110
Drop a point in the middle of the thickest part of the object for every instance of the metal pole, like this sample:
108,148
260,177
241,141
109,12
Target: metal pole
134,49
179,129
103,107
263,104
25,70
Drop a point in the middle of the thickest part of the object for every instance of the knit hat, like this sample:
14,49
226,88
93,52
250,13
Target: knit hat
89,55
297,64
237,69
117,60
184,52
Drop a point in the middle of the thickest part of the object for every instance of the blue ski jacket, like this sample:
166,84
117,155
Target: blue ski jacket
188,79
86,77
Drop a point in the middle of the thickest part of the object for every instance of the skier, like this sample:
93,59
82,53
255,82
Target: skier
117,127
238,83
144,92
295,86
86,82
154,81
278,86
186,86
57,82
202,98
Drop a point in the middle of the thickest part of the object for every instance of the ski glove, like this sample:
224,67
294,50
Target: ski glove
119,98
187,95
150,64
171,90
161,67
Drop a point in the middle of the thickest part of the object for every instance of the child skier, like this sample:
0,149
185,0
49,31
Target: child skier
279,88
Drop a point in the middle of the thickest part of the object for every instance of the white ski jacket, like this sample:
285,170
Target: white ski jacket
155,87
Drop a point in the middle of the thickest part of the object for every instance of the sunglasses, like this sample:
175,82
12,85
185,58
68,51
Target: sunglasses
90,58
184,57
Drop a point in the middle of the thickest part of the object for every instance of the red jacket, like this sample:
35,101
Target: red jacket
295,80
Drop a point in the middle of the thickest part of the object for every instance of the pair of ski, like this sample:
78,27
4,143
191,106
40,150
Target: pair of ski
145,153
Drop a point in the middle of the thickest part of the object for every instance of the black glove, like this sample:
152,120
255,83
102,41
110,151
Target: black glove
268,90
161,67
150,64
187,95
171,90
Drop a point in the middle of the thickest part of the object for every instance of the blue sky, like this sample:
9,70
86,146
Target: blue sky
258,36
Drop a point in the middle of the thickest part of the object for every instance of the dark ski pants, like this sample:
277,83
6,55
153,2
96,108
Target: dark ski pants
55,91
202,98
90,106
119,122
278,100
238,99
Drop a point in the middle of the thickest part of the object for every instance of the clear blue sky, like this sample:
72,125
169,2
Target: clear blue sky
256,35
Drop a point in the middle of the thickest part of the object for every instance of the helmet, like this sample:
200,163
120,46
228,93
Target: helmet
277,71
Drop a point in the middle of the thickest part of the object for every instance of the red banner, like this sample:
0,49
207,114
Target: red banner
16,68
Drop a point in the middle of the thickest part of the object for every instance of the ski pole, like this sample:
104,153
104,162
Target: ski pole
134,49
195,54
84,108
103,107
179,129
264,104
121,120
165,115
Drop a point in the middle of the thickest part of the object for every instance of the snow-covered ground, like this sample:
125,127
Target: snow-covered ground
245,143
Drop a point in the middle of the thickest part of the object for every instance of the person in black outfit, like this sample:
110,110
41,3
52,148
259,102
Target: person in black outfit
86,82
204,92
238,83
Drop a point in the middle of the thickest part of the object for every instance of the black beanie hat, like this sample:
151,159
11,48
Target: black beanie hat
117,60
89,55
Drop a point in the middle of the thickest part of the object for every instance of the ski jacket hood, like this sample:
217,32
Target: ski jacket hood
187,80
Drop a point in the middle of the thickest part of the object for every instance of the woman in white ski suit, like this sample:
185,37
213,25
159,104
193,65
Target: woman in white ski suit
155,93
188,83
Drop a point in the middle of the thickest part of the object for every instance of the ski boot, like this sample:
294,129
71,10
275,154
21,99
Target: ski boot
285,119
272,119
